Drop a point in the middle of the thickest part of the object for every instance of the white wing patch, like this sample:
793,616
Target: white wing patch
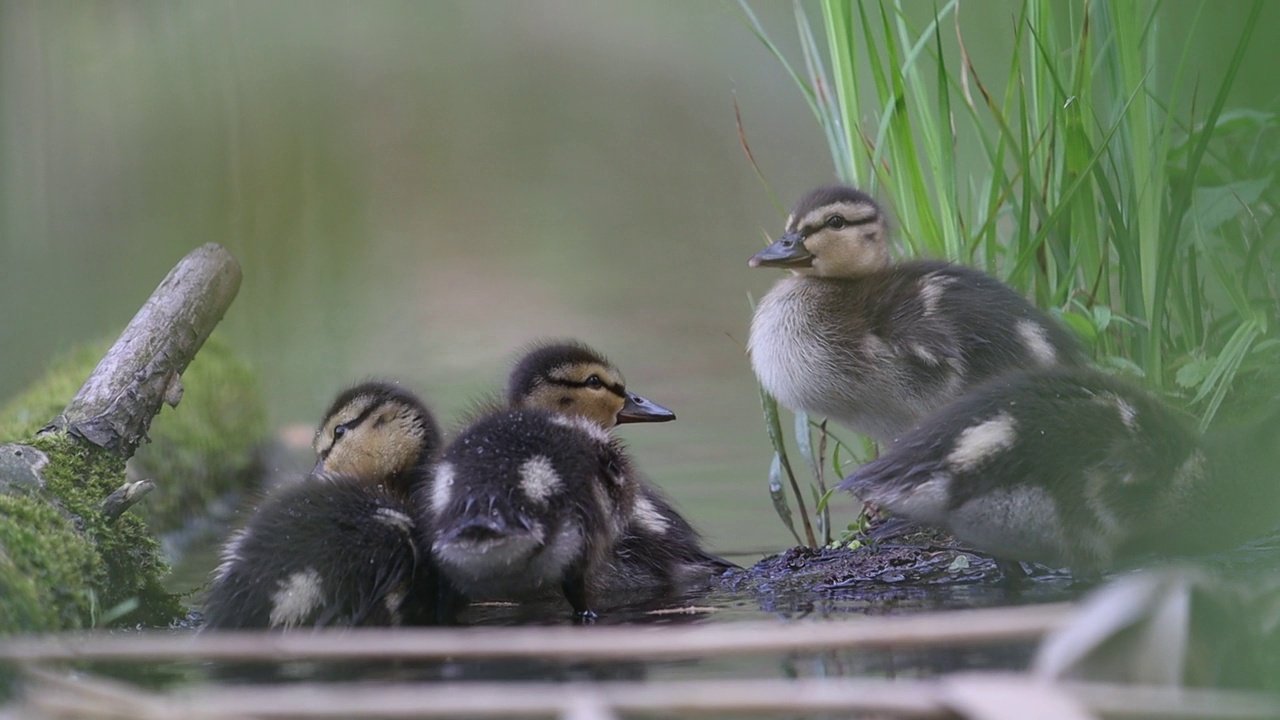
297,598
645,514
978,443
394,518
230,555
442,488
1037,342
596,432
931,288
538,479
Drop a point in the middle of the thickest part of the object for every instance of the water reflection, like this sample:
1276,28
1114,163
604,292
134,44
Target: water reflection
413,191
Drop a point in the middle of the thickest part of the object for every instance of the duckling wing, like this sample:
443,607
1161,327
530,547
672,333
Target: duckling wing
966,322
905,312
1058,465
322,552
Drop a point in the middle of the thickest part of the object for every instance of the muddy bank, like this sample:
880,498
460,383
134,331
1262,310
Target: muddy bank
898,567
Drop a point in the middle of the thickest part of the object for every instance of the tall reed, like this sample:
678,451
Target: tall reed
1096,171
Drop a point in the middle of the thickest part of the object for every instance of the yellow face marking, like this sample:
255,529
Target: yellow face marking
854,213
589,390
370,441
324,439
856,248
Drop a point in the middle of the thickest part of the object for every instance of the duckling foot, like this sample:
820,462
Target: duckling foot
574,588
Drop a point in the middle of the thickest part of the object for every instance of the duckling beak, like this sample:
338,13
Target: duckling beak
788,252
638,409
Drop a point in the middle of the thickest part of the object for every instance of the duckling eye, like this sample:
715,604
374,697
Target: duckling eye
835,222
594,382
339,431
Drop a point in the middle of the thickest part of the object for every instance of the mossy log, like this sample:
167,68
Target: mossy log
68,558
198,453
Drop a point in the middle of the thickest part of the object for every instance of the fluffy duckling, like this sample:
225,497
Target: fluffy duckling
525,500
339,547
878,346
571,378
630,535
1071,467
659,552
379,433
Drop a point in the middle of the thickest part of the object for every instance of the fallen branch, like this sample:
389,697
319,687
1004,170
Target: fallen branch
114,407
958,627
73,538
1000,696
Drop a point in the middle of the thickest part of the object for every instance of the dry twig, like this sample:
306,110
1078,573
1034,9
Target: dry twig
958,627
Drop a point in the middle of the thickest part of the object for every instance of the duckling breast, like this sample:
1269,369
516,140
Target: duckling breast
819,346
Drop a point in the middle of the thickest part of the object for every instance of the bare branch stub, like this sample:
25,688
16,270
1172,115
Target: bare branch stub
125,497
114,407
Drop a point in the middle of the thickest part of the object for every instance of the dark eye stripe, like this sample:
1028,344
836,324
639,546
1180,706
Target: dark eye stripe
811,229
619,390
359,419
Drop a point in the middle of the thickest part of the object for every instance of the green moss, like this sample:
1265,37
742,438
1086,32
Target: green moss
198,451
24,414
131,567
48,571
206,446
62,563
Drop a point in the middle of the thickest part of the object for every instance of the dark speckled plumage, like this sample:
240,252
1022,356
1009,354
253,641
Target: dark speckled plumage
1072,467
524,500
659,554
325,552
338,548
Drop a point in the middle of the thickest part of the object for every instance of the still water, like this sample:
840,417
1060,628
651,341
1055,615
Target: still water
415,191
419,190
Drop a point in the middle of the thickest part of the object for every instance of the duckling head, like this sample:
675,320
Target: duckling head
375,431
834,231
572,379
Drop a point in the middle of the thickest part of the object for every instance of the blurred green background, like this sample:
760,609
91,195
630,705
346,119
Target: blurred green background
417,189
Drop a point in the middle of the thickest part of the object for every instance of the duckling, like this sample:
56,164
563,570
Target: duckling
1071,467
339,547
380,433
585,521
660,553
527,499
878,346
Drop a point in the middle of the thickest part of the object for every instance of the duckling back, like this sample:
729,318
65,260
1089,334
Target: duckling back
527,499
879,352
338,547
1238,495
1065,466
328,551
659,554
